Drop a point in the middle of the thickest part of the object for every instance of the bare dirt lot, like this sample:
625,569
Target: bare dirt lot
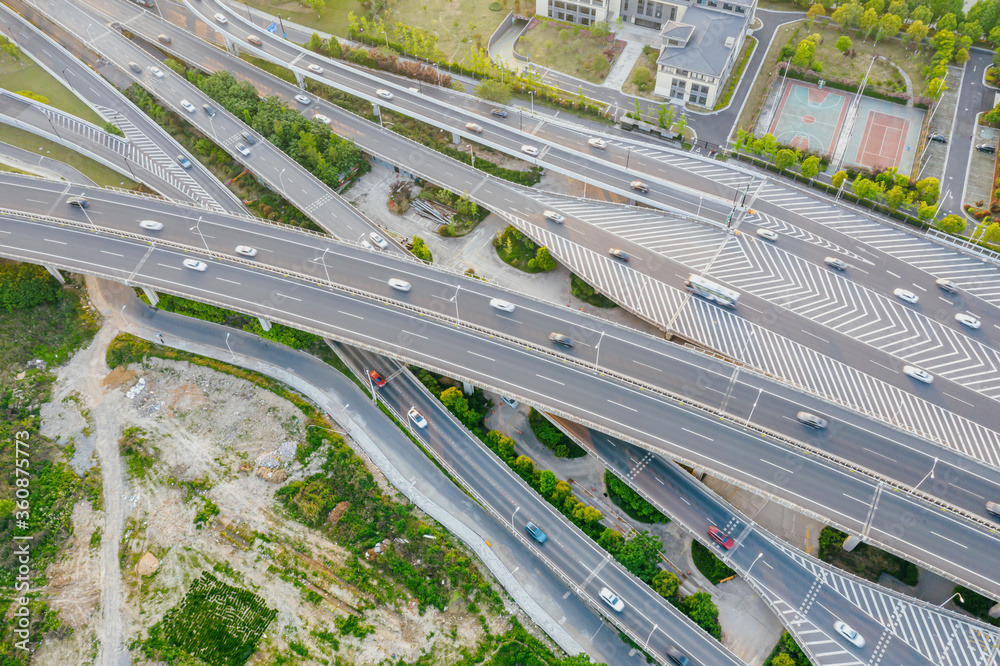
206,439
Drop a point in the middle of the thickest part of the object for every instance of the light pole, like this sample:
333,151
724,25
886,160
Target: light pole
512,516
386,35
628,154
960,598
473,155
249,18
282,182
930,473
759,555
231,353
532,93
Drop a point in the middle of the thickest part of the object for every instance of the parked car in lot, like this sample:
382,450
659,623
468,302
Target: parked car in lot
938,138
246,250
502,305
968,320
188,106
79,202
986,148
151,225
845,630
767,234
554,216
720,537
611,599
561,339
597,143
378,240
811,420
906,295
530,150
918,374
399,285
417,418
195,265
499,113
639,185
947,285
376,378
536,533
510,402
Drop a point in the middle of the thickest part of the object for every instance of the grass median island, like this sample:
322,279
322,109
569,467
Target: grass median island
516,249
582,290
708,564
23,73
866,561
552,437
631,502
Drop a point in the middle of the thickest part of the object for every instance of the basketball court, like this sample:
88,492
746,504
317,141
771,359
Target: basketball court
808,118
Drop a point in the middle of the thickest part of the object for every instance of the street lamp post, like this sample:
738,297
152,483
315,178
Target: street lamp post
960,598
386,35
759,555
628,154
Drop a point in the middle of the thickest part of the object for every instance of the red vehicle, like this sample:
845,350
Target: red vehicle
721,537
376,379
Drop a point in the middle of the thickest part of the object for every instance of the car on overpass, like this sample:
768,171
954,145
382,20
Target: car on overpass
917,373
612,599
384,94
474,127
639,186
946,285
811,420
195,265
255,40
600,144
315,68
967,319
188,106
845,630
618,254
502,305
677,657
151,225
906,295
221,19
529,150
376,378
554,216
499,113
721,537
536,533
417,418
79,202
561,339
834,262
767,234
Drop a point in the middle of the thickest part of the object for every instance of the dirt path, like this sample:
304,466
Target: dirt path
112,651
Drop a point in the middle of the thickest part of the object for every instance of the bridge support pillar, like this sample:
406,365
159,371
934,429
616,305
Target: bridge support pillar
264,324
995,611
377,110
851,543
300,80
455,138
468,388
54,272
151,295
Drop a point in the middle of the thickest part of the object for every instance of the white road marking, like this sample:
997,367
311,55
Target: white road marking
414,334
229,281
288,297
618,404
698,434
949,539
551,380
350,314
49,240
112,253
785,469
481,356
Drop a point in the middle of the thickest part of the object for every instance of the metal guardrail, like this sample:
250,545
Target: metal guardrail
965,246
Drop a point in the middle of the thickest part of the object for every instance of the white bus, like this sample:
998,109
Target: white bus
712,291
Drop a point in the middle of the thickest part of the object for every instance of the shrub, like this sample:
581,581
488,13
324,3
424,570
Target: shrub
703,612
552,437
708,564
25,286
630,501
420,250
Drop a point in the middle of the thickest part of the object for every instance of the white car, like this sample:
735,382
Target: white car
510,402
246,250
947,285
378,240
365,244
323,119
845,630
834,262
417,418
244,151
530,150
221,19
611,599
905,295
384,94
195,265
501,305
918,374
157,72
767,234
474,127
188,106
554,216
597,143
315,68
967,319
399,285
151,225
302,99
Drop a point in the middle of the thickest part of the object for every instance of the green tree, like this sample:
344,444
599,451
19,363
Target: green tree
929,189
877,5
991,234
810,166
111,128
868,22
785,158
804,53
317,5
961,56
951,224
922,13
703,612
843,44
888,27
315,43
926,211
665,584
641,78
782,659
838,179
866,189
611,541
544,261
848,15
420,249
334,48
492,90
546,483
641,555
899,8
681,125
916,32
600,65
894,198
947,22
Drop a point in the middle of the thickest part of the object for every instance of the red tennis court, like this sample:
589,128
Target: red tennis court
883,141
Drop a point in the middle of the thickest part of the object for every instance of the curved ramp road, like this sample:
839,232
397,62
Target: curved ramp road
939,539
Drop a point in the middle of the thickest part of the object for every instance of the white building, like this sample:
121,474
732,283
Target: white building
701,40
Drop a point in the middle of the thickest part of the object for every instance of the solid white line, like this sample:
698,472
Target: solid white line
413,334
350,314
768,462
893,274
481,356
879,454
854,498
288,297
618,404
658,370
176,268
551,380
47,240
959,399
229,281
883,366
112,253
817,337
947,539
698,434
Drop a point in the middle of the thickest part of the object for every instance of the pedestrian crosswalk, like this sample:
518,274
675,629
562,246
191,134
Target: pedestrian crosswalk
942,637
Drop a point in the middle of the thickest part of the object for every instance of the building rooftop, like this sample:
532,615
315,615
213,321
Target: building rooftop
711,35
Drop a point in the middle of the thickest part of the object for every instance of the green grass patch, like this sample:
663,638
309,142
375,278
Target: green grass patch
579,288
332,19
567,48
787,646
631,502
216,623
708,564
736,75
865,560
23,73
97,172
552,437
139,457
521,252
460,25
275,70
976,604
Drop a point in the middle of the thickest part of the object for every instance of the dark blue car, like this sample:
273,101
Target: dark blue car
500,113
535,532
